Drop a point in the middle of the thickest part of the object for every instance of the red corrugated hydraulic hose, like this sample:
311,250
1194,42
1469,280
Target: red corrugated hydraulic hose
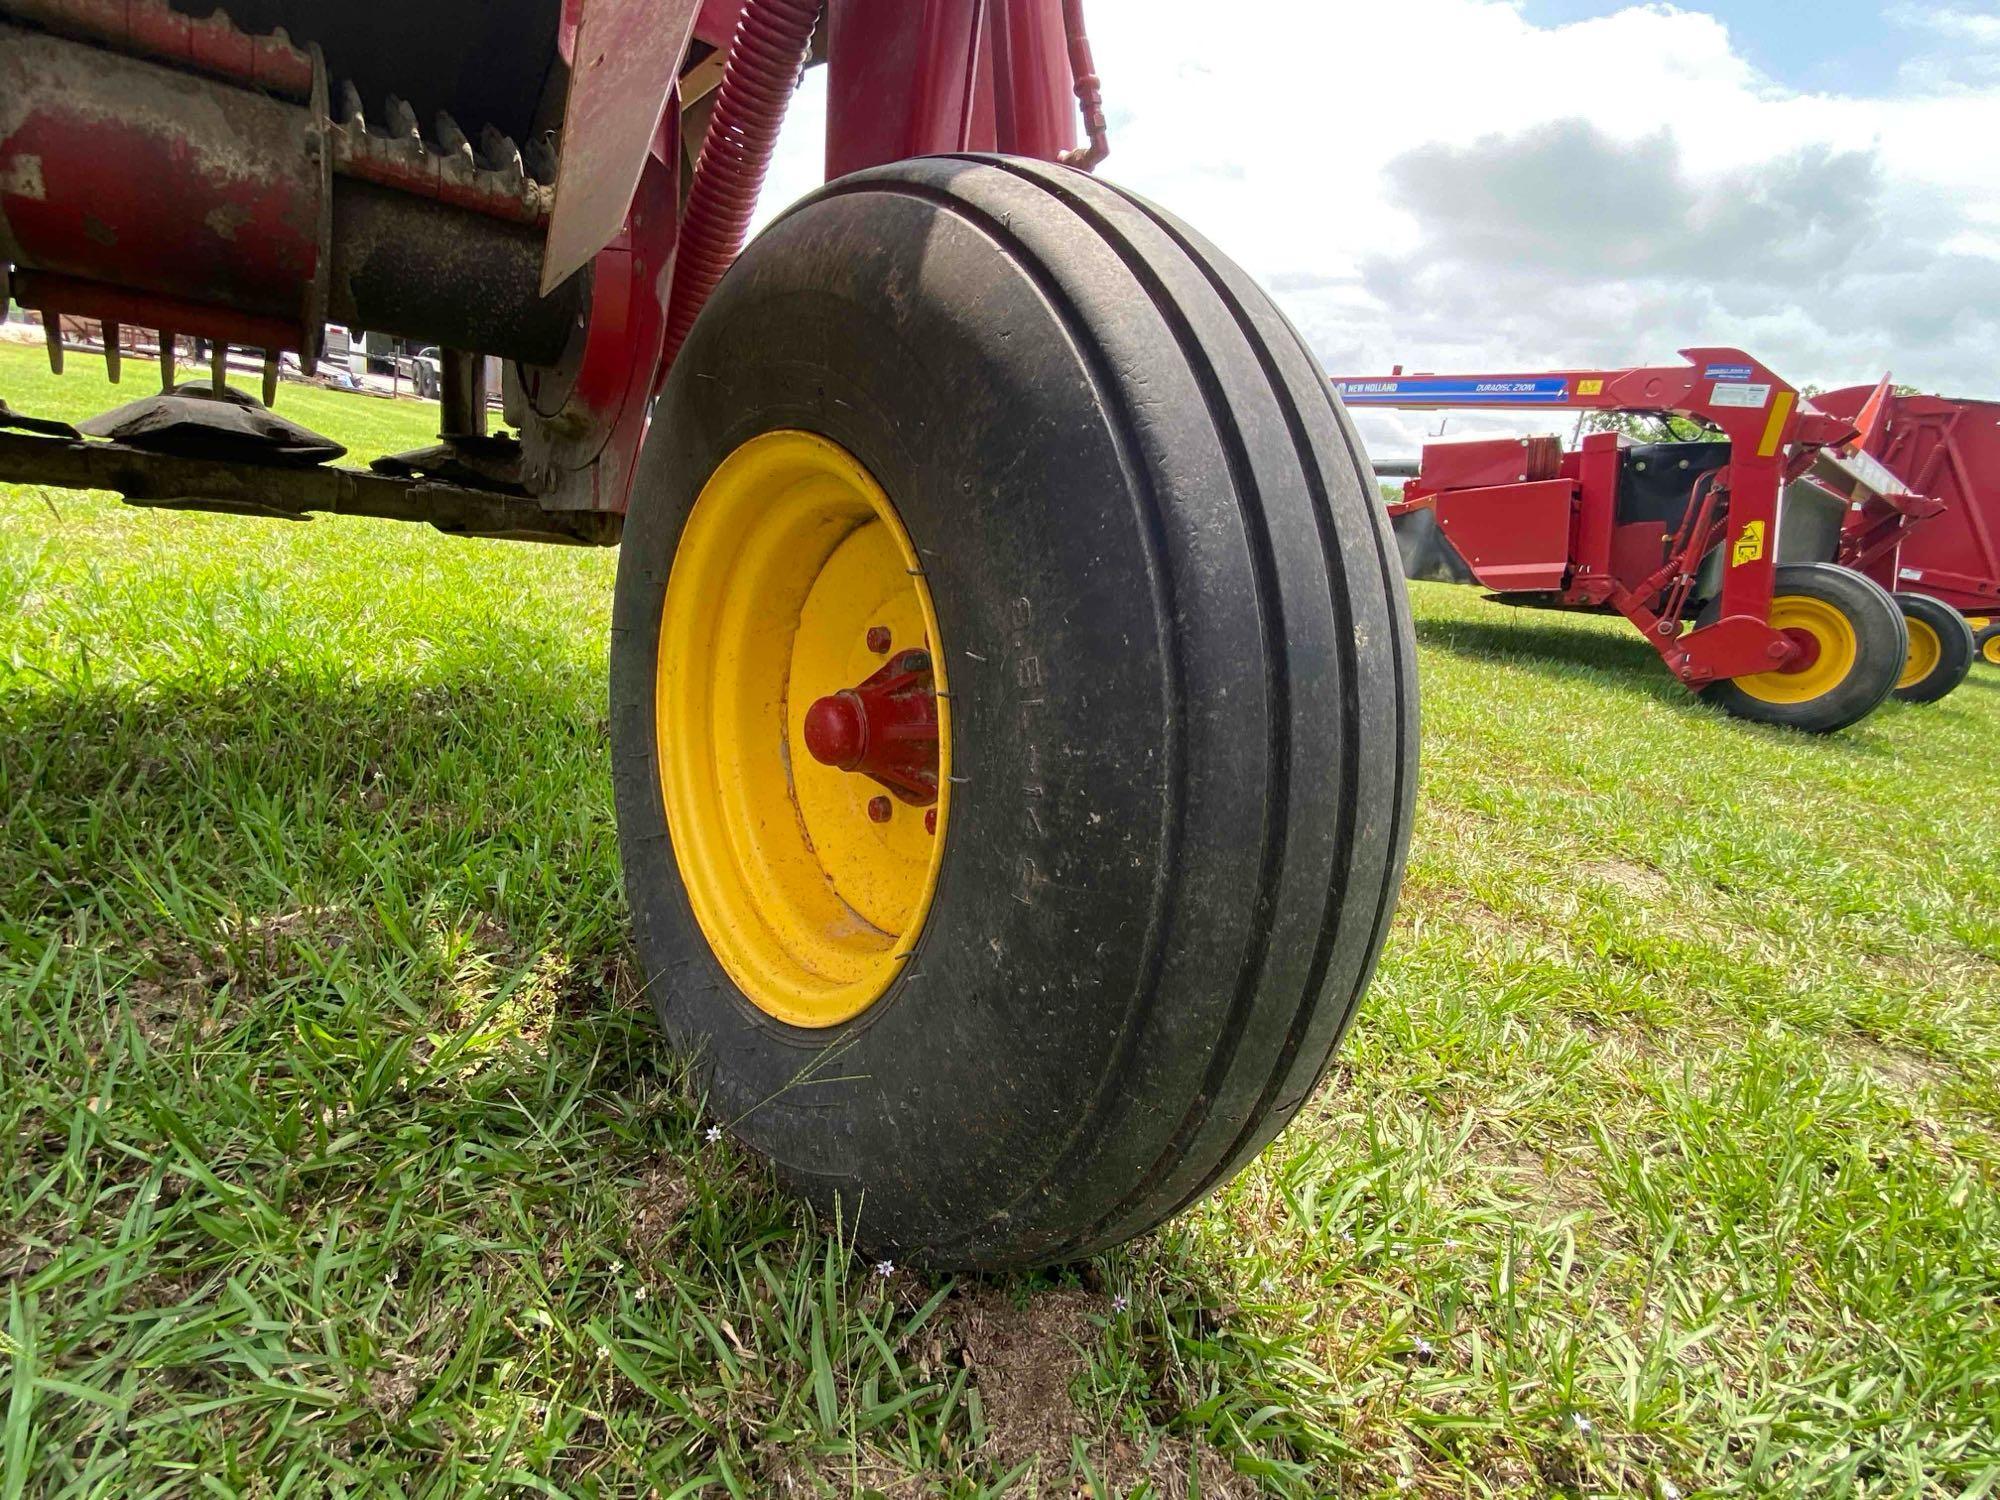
1089,92
757,83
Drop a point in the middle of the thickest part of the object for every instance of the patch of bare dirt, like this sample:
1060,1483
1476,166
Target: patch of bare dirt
1555,1184
33,1245
159,1010
1908,1073
625,984
1633,879
1455,906
393,1391
259,948
655,1206
1024,1360
207,987
866,1474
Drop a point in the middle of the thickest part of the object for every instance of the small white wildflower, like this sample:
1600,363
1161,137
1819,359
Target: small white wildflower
1668,1489
640,1295
1423,1348
390,1279
884,1269
712,1134
1582,1422
1119,1303
617,1266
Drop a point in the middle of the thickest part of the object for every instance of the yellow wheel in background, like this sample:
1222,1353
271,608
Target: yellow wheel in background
794,579
1830,654
1850,649
1941,649
1926,650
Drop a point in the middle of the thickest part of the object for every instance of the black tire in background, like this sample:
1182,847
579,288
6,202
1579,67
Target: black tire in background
1183,701
1953,650
1882,643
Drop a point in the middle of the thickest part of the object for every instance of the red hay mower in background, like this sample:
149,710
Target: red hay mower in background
1758,559
1948,449
1013,697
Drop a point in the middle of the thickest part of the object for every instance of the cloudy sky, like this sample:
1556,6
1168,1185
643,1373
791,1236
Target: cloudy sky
1485,185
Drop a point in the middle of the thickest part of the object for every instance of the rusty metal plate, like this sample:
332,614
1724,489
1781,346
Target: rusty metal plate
627,55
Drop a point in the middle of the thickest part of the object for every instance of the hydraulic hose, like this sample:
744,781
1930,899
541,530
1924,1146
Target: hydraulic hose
757,83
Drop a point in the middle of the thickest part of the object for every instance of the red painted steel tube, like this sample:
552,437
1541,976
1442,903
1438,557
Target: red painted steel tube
757,83
125,172
153,28
1034,112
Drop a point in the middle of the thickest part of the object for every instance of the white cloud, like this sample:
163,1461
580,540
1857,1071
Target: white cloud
1442,184
1960,49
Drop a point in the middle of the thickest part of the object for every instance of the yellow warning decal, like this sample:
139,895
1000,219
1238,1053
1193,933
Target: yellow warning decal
1590,387
1774,430
1749,544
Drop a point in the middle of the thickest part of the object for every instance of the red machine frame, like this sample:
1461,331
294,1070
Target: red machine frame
1530,519
1947,449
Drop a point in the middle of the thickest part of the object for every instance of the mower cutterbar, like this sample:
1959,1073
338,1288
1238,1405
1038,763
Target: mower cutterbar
1717,552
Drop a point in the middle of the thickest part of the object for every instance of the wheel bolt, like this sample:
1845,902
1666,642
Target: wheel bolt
878,809
930,821
878,639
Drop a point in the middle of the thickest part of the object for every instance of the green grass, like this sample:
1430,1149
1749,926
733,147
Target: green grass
338,1155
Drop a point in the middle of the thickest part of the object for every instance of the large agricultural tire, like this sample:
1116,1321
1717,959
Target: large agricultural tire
1857,649
1941,649
1178,693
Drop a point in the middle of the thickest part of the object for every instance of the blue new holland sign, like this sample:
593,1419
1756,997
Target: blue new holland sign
1437,390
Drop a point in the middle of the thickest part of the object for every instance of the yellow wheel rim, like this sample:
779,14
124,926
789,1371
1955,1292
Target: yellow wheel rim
790,557
1831,632
1926,651
1991,650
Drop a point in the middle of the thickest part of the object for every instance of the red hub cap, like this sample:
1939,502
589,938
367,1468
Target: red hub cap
885,729
1807,652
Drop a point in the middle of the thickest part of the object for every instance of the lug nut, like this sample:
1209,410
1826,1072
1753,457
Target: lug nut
878,639
878,809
